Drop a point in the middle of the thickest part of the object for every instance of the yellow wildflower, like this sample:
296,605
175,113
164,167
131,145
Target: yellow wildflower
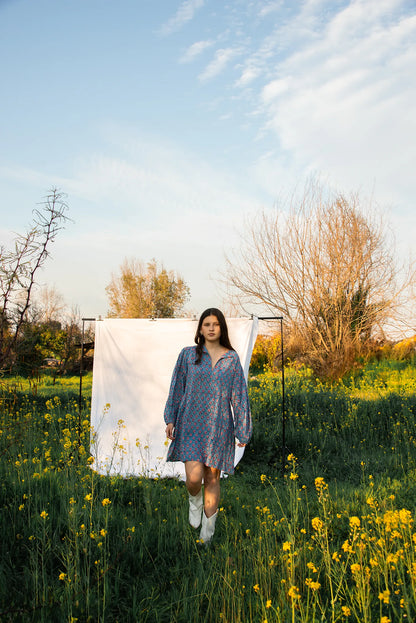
385,596
392,558
293,592
256,588
320,484
354,522
405,517
346,611
317,524
44,514
106,502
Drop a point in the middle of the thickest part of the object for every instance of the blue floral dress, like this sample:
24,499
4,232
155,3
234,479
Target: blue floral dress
199,406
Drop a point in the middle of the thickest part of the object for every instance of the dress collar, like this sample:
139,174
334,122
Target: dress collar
226,354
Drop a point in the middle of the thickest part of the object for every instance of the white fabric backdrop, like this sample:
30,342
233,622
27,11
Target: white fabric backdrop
133,365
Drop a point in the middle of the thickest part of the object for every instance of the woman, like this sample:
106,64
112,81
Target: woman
207,380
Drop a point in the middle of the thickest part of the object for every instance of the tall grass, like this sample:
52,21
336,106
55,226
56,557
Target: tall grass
333,429
332,538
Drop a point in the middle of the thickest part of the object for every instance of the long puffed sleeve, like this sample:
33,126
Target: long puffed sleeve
243,426
177,389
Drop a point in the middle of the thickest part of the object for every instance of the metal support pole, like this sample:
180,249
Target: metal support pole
283,458
283,399
81,368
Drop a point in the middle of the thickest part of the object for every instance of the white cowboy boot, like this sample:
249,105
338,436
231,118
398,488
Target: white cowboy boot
196,504
208,527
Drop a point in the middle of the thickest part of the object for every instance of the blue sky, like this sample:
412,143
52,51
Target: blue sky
167,122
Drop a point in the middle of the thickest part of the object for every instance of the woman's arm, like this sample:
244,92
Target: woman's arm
176,392
241,407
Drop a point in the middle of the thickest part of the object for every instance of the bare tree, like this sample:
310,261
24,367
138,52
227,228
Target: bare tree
48,305
146,291
20,265
327,267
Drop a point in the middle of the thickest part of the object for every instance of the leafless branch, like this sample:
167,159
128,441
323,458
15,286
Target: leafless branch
19,267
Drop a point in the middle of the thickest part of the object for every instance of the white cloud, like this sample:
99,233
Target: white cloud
262,62
249,74
343,103
184,14
218,64
270,7
273,89
195,50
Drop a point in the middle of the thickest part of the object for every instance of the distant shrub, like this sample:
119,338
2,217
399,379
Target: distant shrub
406,349
266,354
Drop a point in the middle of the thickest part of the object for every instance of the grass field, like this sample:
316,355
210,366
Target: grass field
329,538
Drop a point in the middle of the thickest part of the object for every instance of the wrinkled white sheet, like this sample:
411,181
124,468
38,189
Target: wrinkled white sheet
133,365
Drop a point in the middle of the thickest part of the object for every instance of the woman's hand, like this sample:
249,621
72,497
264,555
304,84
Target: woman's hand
241,445
169,431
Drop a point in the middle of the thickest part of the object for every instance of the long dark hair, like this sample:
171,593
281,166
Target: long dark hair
200,340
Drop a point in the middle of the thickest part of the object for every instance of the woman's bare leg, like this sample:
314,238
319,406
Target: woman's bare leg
197,472
211,489
194,475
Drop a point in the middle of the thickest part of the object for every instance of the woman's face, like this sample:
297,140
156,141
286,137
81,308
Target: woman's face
210,329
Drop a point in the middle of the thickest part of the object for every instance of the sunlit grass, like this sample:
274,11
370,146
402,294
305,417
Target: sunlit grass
47,384
331,538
